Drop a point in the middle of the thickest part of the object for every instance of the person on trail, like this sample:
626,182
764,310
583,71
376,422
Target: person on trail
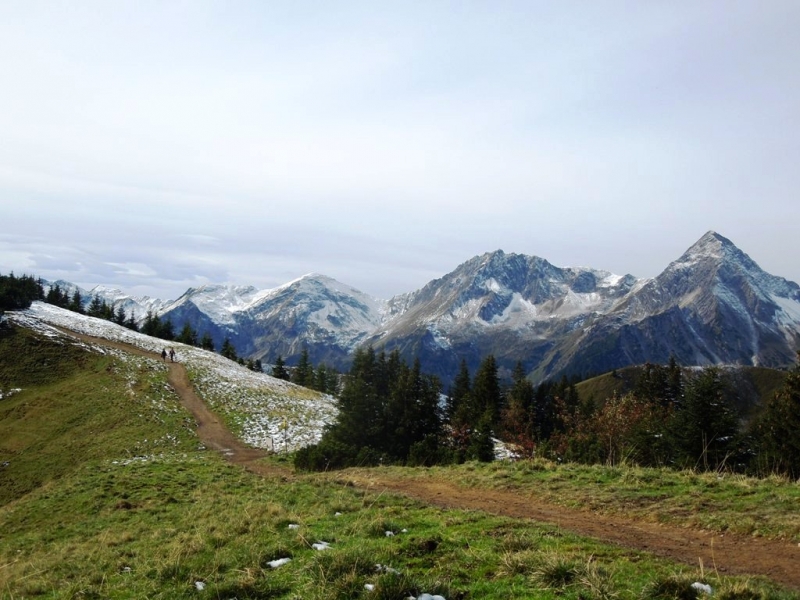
172,355
164,355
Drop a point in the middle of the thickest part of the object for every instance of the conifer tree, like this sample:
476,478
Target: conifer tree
19,292
304,371
166,330
279,369
705,426
518,424
206,343
120,318
486,396
76,303
95,307
131,322
359,422
151,325
228,351
187,335
778,428
459,391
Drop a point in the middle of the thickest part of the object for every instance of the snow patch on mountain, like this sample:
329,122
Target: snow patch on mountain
789,313
220,303
263,409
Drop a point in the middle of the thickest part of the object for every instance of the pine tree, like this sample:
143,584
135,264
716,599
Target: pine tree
359,421
778,428
76,304
228,351
704,428
187,335
459,392
95,307
279,369
206,343
151,325
517,421
304,371
486,396
120,318
166,330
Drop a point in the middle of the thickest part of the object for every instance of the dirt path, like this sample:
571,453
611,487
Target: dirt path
729,554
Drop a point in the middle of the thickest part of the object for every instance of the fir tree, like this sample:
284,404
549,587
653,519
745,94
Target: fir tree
120,318
279,369
705,426
304,371
778,428
187,335
76,304
228,351
518,425
131,322
459,391
485,396
95,307
206,343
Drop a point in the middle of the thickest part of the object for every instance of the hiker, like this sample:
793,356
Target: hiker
164,355
172,355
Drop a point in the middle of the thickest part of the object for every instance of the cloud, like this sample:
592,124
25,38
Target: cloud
160,146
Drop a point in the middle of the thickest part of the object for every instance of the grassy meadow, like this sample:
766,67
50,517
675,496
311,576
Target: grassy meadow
106,492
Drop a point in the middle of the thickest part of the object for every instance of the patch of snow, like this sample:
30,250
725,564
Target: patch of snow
258,403
702,588
9,393
321,546
279,562
386,569
789,310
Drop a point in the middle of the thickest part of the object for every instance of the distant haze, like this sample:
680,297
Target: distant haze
159,146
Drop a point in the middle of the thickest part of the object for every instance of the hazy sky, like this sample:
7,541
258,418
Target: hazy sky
154,146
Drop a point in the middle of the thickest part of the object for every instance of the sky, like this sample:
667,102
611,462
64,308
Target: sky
157,146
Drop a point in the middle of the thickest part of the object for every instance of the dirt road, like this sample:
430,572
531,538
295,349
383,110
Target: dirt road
780,561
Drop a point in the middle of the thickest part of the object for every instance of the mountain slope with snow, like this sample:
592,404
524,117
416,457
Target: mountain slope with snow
264,411
712,305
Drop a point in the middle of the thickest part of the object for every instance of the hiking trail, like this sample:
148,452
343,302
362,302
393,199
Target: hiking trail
726,553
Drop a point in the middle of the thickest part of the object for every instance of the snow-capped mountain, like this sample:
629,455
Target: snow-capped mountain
510,305
315,312
138,306
713,305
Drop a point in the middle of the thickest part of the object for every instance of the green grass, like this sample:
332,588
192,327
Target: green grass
126,505
744,505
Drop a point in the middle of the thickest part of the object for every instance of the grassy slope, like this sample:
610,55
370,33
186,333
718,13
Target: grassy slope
116,500
753,385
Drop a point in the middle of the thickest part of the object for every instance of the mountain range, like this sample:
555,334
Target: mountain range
713,305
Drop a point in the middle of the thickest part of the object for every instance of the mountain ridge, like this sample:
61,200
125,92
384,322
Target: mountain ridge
712,305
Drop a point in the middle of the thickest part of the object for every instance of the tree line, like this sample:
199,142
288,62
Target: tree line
18,293
390,412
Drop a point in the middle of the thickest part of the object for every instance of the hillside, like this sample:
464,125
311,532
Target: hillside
127,499
750,386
